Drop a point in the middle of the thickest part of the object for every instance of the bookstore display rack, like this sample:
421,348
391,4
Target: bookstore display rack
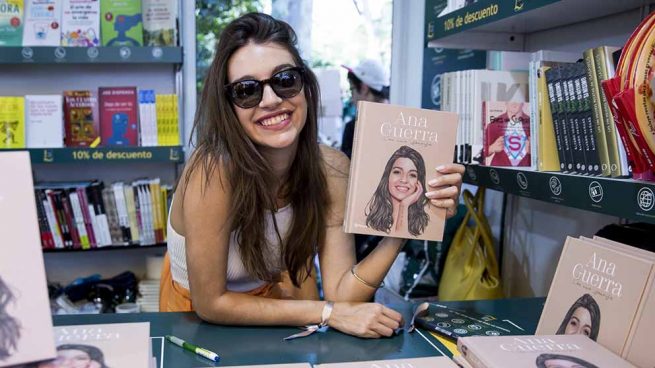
567,25
111,248
91,55
101,155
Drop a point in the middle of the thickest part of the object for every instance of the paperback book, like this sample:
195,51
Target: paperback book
121,23
12,122
80,23
119,113
25,321
44,121
159,18
506,133
396,151
595,292
537,351
42,23
81,120
11,22
428,362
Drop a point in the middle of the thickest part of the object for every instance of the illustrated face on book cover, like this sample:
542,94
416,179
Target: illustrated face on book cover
10,327
402,184
76,356
561,361
583,318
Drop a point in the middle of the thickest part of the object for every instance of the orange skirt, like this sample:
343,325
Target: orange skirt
174,297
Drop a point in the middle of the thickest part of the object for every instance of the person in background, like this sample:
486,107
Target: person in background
260,198
368,82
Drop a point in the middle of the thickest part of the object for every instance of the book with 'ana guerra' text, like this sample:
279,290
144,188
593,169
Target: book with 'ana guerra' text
396,151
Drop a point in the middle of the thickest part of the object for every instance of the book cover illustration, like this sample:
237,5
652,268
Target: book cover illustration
121,23
12,122
119,116
11,22
81,119
25,321
595,292
159,18
80,23
42,23
396,151
506,133
43,121
102,345
547,351
427,362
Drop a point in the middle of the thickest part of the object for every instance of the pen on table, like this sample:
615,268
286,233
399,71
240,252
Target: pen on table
193,348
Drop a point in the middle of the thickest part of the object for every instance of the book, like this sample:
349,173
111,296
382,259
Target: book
121,23
24,306
461,362
537,351
119,122
428,362
168,133
548,158
44,117
11,22
12,122
159,22
81,119
104,345
395,152
80,23
506,133
42,23
596,291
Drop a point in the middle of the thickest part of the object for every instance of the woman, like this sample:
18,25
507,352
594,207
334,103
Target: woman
9,326
583,318
259,198
76,356
562,361
398,204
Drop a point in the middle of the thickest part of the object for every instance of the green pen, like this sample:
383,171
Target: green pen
194,349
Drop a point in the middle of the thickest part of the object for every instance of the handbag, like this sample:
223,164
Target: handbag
471,270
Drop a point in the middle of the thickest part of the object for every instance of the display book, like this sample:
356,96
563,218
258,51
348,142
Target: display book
603,290
396,151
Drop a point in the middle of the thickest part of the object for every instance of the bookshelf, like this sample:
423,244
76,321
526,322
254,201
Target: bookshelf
108,248
106,155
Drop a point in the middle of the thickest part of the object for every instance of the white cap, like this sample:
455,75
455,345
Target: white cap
371,73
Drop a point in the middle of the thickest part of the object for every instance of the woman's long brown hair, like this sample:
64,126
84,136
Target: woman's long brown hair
220,139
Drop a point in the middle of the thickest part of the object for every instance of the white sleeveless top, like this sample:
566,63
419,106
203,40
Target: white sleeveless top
238,278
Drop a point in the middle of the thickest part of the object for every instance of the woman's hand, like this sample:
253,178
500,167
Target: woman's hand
412,198
370,320
444,190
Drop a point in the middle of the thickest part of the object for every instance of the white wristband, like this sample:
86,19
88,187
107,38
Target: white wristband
325,315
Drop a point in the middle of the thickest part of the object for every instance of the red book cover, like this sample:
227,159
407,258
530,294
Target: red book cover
119,116
70,218
626,103
88,222
81,122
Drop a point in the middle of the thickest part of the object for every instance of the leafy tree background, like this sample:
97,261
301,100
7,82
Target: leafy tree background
212,16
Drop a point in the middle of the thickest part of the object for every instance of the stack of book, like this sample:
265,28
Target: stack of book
88,215
88,23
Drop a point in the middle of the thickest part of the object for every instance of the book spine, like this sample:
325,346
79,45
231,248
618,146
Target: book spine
78,217
596,112
554,95
47,241
548,150
52,220
356,155
572,124
602,74
88,219
584,108
69,218
469,354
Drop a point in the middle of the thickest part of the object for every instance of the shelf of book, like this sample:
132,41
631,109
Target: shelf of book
90,55
616,197
110,247
479,24
77,155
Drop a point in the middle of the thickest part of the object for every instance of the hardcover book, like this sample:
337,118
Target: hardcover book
506,133
119,116
121,23
103,345
396,151
80,23
11,22
159,18
42,23
428,362
25,321
44,121
595,292
81,120
545,351
12,122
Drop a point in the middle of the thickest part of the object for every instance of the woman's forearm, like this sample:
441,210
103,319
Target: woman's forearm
233,308
371,270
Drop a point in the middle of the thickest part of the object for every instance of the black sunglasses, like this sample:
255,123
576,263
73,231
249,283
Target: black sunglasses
248,93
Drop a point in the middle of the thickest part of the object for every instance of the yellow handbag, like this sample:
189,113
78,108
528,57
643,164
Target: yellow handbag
471,270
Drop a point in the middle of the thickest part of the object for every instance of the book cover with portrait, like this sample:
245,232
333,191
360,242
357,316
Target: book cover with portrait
546,351
595,292
396,151
506,133
427,362
102,345
25,321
